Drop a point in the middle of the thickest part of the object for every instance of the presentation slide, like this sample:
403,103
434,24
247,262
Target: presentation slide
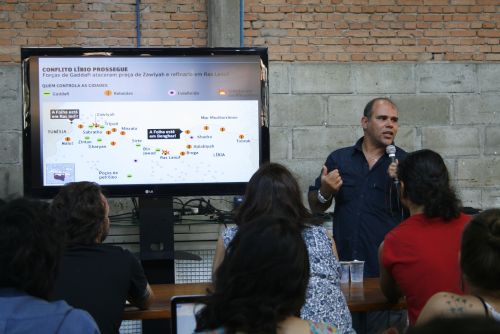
149,120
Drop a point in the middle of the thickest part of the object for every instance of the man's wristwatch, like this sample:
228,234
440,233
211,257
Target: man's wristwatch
322,198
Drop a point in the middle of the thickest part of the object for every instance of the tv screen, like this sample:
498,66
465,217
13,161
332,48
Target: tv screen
144,122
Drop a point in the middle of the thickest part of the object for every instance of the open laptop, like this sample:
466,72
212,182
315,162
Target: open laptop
183,310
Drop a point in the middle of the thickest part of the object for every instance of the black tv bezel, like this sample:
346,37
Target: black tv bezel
32,169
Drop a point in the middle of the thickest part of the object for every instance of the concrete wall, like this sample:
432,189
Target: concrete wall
452,108
327,61
10,130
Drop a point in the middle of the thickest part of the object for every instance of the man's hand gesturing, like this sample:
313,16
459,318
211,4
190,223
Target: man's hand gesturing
330,182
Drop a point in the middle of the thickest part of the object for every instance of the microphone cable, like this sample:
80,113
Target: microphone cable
391,152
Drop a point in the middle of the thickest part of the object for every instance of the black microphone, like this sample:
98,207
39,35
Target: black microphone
391,151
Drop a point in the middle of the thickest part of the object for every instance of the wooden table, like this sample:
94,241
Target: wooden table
361,297
367,296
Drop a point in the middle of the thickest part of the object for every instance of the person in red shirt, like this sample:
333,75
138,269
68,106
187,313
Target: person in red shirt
479,254
420,256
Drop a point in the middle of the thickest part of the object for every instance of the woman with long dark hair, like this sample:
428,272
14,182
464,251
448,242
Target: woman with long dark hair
419,257
273,190
261,284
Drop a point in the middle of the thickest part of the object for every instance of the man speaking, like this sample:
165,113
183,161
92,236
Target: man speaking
366,197
362,179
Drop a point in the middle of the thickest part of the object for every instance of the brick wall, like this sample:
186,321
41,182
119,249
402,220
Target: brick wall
375,30
75,23
294,30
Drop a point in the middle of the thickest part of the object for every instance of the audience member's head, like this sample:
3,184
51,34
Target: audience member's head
82,210
457,325
425,182
261,281
480,251
272,190
30,247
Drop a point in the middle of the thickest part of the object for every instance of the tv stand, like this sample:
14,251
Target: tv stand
156,229
156,221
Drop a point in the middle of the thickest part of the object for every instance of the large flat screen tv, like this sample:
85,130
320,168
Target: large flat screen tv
144,121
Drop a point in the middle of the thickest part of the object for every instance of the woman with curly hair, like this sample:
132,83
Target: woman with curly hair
261,284
90,268
419,257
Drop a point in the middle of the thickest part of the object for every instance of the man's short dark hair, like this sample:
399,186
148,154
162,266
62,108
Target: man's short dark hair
367,112
30,247
79,209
